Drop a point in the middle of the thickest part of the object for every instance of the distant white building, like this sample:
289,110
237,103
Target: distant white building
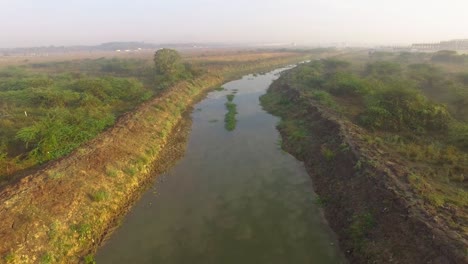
456,44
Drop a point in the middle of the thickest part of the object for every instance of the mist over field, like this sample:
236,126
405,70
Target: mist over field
26,23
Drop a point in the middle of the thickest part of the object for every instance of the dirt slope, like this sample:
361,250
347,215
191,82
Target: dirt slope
363,189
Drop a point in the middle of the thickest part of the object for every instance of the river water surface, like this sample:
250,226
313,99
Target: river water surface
235,197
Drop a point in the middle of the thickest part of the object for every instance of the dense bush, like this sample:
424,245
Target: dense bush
448,56
459,134
426,75
332,66
345,84
44,117
62,130
391,102
398,108
383,70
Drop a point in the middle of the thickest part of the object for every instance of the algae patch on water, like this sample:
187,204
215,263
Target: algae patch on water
230,120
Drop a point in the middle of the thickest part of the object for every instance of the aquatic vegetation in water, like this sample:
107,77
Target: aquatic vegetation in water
230,97
230,120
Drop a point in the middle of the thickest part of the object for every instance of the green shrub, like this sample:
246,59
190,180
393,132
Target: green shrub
131,171
383,70
327,153
84,230
321,201
345,84
360,226
100,195
324,98
10,258
448,56
89,259
398,108
47,258
111,172
458,134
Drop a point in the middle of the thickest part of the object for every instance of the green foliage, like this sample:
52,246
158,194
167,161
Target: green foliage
448,56
10,258
131,171
61,131
398,108
321,201
346,84
309,75
463,77
230,97
54,114
459,134
327,153
89,259
100,195
344,147
111,172
383,70
169,68
325,98
47,258
332,66
359,228
230,120
426,76
121,66
358,165
84,230
168,62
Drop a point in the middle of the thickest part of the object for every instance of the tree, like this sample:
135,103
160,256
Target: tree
168,66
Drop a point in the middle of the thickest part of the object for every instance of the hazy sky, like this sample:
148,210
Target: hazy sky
70,22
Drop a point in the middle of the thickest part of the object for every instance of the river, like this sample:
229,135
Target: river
235,196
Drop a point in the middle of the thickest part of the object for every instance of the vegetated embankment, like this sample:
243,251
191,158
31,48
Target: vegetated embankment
366,200
62,212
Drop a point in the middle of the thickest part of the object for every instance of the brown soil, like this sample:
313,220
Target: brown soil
369,204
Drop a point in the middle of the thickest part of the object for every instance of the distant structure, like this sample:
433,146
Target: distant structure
456,44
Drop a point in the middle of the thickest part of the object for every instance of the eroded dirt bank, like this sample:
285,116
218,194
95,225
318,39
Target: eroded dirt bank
362,188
